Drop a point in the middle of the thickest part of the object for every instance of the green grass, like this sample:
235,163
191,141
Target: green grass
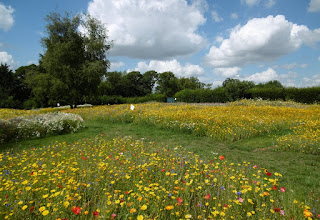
300,171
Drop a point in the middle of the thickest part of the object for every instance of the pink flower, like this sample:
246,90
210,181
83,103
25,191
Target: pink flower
281,212
282,189
240,199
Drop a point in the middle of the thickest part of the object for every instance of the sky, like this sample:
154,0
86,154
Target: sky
256,40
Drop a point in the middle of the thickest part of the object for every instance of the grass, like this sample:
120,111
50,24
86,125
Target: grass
301,171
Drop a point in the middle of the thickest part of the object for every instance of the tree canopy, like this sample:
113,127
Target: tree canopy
74,61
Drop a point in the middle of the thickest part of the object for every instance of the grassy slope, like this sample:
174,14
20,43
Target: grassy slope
300,171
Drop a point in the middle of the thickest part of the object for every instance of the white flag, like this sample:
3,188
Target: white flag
131,107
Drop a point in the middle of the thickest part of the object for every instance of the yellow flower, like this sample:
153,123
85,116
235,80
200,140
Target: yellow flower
140,217
20,203
86,212
28,188
41,209
66,204
144,207
169,207
46,212
45,196
307,213
188,216
24,207
133,210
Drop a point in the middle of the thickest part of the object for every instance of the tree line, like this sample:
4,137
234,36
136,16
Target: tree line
73,71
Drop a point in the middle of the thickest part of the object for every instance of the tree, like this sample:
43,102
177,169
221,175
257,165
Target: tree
167,84
148,81
7,85
236,89
75,60
190,83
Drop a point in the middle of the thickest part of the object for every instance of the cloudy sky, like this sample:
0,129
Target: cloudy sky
257,40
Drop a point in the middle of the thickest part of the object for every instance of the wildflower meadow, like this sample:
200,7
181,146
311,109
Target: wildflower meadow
122,177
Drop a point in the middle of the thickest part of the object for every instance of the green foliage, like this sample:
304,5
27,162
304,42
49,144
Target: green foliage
267,93
217,95
303,95
75,62
167,84
236,89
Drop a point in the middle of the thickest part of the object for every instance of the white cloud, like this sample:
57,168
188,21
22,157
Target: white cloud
151,29
172,66
290,66
265,76
115,65
313,81
319,58
314,6
6,18
216,17
250,2
6,58
260,40
304,65
227,72
288,79
234,16
270,3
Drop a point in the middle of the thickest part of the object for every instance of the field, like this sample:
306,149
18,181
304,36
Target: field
257,160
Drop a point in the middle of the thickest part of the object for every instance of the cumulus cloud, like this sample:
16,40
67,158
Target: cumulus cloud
114,65
151,29
227,72
260,40
172,66
6,58
216,17
314,6
312,81
265,76
6,18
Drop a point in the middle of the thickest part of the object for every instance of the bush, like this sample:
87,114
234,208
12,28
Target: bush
202,95
303,95
267,93
39,126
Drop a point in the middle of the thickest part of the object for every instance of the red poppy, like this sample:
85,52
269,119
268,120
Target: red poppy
76,210
276,209
84,158
226,205
269,174
207,196
275,188
221,157
163,170
95,213
179,200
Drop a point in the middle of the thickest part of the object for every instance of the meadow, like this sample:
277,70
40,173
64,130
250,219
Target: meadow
244,160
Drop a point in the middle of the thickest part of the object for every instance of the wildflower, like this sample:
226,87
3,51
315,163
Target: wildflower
24,207
76,210
188,216
207,196
45,212
95,213
169,207
133,210
221,157
240,199
307,213
144,207
140,217
41,209
179,200
282,189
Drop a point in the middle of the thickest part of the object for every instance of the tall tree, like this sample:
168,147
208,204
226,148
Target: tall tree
75,60
7,85
167,84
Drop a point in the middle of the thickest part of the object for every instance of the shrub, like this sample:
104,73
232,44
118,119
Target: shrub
39,126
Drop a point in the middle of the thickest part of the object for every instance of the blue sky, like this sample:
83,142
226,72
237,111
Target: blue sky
257,40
